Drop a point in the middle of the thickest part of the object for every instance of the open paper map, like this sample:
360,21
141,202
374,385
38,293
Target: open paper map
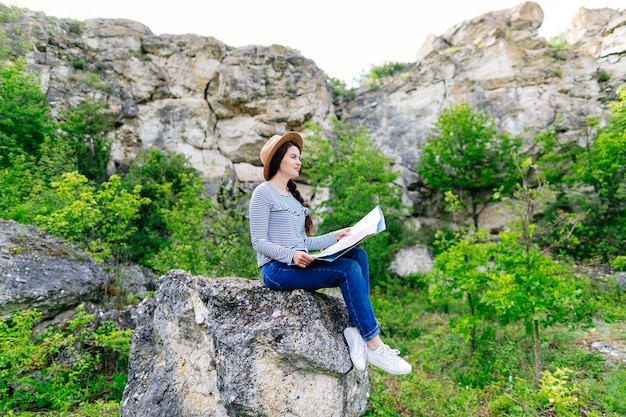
371,224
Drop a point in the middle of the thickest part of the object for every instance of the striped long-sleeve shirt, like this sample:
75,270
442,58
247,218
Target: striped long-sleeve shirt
277,226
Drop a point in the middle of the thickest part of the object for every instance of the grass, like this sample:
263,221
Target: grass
96,409
498,379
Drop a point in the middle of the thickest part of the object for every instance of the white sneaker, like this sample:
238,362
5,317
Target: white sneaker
388,360
358,348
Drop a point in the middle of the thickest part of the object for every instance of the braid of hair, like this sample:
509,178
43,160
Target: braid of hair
308,222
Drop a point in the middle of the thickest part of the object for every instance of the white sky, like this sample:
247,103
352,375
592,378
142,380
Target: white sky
344,37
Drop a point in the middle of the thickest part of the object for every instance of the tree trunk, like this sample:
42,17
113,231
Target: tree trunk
473,329
537,350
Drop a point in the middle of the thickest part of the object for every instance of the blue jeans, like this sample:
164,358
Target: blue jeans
350,272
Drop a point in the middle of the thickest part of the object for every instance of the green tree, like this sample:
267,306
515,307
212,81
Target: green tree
527,285
460,272
358,177
26,120
603,232
162,177
467,155
85,128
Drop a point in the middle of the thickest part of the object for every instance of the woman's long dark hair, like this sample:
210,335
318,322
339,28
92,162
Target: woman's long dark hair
291,184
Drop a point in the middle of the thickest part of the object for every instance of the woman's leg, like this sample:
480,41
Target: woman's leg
350,273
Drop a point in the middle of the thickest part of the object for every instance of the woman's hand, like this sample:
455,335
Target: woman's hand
342,232
302,259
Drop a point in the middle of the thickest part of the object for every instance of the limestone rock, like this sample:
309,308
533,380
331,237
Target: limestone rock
39,271
218,104
416,259
497,64
226,347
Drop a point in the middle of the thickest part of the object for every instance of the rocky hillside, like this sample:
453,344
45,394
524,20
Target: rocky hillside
218,104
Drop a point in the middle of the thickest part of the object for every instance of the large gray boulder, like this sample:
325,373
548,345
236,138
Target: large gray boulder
39,271
231,347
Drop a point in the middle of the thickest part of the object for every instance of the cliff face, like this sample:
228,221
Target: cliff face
497,63
218,104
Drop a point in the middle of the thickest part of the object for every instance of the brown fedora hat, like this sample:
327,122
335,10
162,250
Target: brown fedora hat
272,145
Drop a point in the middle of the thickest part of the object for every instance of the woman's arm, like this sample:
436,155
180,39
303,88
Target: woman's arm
259,214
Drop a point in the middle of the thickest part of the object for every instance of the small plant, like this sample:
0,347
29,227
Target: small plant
78,63
135,53
604,77
340,88
60,368
379,72
140,55
10,13
559,43
558,72
558,394
91,79
452,49
76,26
619,263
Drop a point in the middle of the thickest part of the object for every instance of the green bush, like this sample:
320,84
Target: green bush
26,120
61,368
559,43
85,128
468,156
100,220
603,232
340,88
597,176
91,79
380,72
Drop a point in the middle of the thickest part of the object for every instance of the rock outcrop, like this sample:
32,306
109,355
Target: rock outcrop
498,64
218,104
39,271
227,347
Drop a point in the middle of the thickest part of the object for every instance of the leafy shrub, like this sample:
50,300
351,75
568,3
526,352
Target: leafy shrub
26,120
597,171
61,368
91,79
604,77
340,88
604,233
85,128
468,156
78,63
100,220
387,69
559,43
163,178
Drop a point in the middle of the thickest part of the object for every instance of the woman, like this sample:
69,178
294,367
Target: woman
280,228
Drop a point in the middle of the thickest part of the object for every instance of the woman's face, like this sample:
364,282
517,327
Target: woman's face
291,163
